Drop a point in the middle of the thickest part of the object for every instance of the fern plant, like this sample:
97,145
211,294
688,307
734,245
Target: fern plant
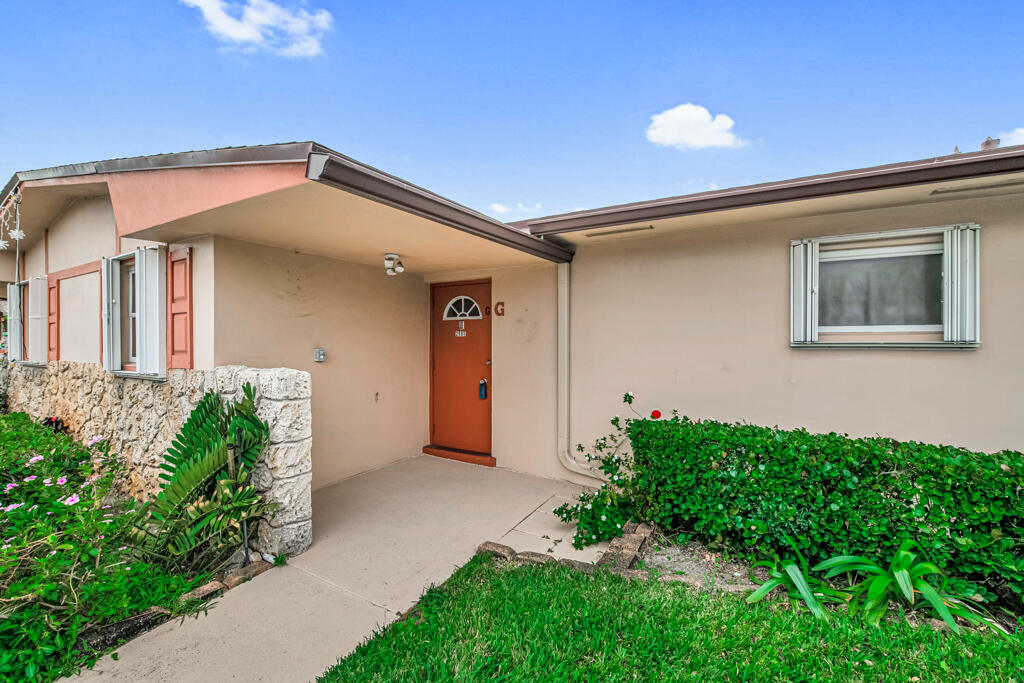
195,521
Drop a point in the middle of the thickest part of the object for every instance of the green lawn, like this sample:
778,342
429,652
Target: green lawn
490,622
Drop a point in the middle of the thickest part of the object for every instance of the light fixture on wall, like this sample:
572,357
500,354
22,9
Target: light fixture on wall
392,266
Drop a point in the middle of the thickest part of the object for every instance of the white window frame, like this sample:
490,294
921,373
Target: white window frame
15,323
150,321
447,306
34,344
960,286
133,317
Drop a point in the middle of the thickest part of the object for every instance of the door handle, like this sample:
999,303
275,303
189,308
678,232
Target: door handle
483,389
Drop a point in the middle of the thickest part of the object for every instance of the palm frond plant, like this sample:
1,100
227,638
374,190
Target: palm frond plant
794,577
908,576
195,521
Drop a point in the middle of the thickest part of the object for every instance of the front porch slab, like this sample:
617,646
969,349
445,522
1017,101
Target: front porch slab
380,539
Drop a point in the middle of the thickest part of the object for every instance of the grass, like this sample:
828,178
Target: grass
493,622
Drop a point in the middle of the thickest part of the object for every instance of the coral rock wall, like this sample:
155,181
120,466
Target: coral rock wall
139,418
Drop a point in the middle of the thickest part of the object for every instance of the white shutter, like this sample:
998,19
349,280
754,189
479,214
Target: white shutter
37,319
961,294
803,291
15,350
151,298
110,274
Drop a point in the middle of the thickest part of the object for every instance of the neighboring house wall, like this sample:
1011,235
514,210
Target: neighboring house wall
274,306
699,322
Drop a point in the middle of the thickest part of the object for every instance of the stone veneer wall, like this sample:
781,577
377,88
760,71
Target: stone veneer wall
140,417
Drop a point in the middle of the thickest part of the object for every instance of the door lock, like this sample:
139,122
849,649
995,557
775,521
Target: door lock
483,389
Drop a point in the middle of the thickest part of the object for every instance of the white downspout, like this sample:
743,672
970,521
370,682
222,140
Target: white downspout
563,376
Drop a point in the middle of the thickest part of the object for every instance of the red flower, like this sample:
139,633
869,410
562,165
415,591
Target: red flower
655,414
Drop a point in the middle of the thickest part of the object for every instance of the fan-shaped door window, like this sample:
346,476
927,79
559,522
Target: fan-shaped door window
462,308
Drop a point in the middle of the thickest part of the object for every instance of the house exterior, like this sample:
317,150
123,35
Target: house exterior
380,320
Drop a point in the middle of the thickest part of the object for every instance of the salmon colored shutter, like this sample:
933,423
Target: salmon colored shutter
179,308
53,321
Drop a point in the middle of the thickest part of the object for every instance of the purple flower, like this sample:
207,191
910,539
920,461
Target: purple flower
95,440
10,486
72,499
124,547
62,480
30,478
33,459
13,506
47,482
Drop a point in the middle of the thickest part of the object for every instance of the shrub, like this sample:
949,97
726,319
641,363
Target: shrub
196,520
750,488
64,563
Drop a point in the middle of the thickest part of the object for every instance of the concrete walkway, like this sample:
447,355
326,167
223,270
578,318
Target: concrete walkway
379,540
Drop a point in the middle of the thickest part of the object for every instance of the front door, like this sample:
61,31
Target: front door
460,378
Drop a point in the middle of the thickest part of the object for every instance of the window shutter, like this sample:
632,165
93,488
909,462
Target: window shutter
804,291
53,320
961,314
179,308
15,334
151,296
110,275
37,319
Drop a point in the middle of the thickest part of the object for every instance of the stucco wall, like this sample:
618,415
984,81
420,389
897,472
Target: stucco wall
80,318
84,233
275,306
699,322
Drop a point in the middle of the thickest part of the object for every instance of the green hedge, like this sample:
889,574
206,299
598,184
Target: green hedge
751,488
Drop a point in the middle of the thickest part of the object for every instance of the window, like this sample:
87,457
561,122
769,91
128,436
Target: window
129,316
462,308
914,287
134,312
27,335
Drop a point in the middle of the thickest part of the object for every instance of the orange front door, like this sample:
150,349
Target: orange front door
460,379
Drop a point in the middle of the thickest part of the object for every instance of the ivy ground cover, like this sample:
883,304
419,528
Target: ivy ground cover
65,564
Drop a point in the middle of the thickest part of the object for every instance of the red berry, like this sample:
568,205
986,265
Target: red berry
655,414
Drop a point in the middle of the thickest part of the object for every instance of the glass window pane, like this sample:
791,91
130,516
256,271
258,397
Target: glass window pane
898,290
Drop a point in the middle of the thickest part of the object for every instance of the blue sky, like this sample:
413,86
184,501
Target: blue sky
534,107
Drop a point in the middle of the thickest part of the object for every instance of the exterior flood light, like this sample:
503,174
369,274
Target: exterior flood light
392,266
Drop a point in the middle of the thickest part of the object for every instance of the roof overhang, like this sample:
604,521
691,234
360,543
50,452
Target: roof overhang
191,183
352,176
956,167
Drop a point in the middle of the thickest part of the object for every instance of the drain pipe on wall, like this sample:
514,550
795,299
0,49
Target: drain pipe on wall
564,456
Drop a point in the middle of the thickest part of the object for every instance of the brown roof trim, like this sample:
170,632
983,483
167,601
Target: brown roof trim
938,169
347,174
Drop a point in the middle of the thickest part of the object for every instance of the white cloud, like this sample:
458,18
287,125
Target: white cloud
519,208
691,126
265,25
1014,137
